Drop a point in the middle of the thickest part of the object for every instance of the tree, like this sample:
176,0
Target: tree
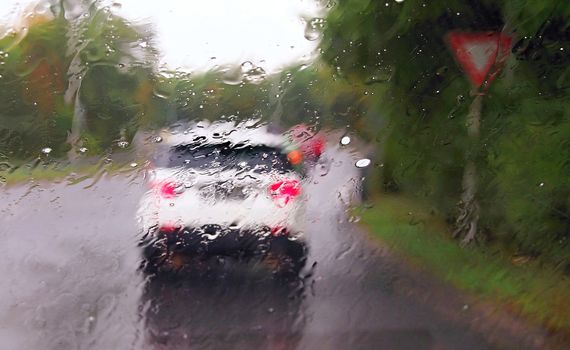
399,49
32,81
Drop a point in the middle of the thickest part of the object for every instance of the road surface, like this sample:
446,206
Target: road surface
70,280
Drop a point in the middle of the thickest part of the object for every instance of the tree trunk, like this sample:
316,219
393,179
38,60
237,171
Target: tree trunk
75,73
468,218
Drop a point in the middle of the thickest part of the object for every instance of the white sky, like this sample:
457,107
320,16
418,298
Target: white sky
270,33
9,9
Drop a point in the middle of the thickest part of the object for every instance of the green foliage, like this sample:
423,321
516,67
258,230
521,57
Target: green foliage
387,73
33,114
297,95
399,50
36,74
531,164
533,290
89,81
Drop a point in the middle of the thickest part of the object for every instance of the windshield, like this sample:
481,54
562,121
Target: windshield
284,174
261,159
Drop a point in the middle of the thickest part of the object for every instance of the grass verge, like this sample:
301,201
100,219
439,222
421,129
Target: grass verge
55,172
539,293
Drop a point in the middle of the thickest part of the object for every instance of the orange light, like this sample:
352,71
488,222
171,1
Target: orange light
295,157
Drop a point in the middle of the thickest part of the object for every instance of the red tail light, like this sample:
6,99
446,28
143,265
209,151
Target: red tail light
284,191
279,231
318,146
168,228
166,189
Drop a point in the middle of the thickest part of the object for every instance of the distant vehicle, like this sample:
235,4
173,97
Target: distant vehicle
222,190
310,144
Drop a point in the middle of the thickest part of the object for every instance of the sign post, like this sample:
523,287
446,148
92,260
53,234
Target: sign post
481,56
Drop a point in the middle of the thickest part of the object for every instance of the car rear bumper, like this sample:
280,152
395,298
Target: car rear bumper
215,240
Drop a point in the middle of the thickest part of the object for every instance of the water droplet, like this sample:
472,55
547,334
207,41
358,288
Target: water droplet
363,163
314,29
46,150
247,65
324,168
345,140
161,93
252,73
354,219
233,76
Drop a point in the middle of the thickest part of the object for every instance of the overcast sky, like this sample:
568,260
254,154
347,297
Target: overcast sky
198,34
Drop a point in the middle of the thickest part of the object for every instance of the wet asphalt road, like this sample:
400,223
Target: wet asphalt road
69,281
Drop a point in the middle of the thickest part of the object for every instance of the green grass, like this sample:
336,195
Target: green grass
57,172
21,175
540,293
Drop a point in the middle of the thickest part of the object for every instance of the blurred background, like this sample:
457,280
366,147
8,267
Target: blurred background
454,235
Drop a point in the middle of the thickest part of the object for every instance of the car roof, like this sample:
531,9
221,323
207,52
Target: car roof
249,132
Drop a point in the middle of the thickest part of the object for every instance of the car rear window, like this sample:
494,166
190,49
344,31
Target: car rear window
226,156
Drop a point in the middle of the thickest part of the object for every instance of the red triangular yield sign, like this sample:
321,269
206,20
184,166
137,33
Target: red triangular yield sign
477,53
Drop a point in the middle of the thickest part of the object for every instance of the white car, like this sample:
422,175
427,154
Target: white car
222,189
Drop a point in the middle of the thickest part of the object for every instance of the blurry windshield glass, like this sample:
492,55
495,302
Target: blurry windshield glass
226,156
285,174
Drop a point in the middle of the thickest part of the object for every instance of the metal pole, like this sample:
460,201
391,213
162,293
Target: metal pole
468,218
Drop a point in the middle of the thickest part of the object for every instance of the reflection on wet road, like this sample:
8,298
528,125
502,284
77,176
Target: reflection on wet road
70,281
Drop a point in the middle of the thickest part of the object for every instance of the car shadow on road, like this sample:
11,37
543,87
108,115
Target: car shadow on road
238,308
